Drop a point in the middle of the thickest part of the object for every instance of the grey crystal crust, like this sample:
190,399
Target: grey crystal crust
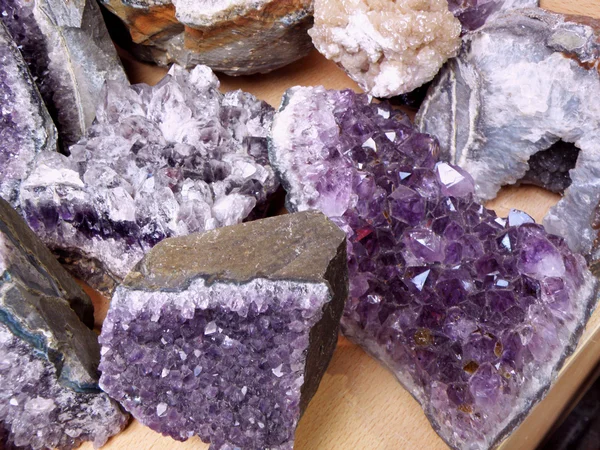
49,395
227,334
25,125
522,82
69,52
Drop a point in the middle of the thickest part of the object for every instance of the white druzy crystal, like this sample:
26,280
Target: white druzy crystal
388,47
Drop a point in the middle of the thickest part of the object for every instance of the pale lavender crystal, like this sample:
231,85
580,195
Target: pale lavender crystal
226,334
160,161
474,314
474,13
69,52
25,126
49,394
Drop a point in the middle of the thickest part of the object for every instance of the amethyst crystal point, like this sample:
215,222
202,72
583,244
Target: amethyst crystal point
474,314
67,48
474,13
492,124
226,334
25,126
159,161
49,395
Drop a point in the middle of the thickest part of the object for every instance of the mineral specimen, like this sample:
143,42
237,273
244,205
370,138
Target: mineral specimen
387,47
159,161
49,395
490,121
25,126
69,53
232,36
226,334
474,314
474,13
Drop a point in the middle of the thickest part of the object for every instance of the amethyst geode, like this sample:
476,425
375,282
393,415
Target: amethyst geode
69,52
541,127
49,394
160,161
474,13
25,125
474,314
226,334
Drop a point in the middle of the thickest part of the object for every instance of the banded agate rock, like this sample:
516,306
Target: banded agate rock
474,13
25,125
226,334
551,102
69,53
387,47
49,394
159,161
236,37
474,314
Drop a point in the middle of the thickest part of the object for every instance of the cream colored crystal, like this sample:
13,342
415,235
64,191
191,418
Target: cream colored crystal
388,47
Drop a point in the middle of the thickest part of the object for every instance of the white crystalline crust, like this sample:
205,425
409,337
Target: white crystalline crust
36,412
388,47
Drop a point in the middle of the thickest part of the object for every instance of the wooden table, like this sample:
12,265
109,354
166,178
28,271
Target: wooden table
360,405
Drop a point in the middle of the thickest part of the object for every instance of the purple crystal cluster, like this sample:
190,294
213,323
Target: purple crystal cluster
474,314
25,126
231,348
38,412
160,161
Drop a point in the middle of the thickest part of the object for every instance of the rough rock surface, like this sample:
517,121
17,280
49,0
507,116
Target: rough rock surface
387,47
69,53
504,120
49,394
236,37
159,161
25,126
226,334
474,314
474,13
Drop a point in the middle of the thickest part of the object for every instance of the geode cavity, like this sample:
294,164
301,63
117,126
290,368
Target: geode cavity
160,161
236,37
474,314
25,125
226,334
49,394
474,13
70,54
492,123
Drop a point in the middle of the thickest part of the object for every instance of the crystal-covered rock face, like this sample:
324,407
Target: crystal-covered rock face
49,394
474,314
25,126
474,13
226,334
387,47
159,161
553,99
236,37
69,53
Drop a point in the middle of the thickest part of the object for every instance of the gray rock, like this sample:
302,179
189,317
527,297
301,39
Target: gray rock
25,125
49,395
523,82
227,334
69,52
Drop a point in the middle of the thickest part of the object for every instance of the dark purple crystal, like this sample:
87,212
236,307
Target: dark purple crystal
474,13
473,313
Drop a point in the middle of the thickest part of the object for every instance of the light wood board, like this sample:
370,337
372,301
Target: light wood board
360,405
